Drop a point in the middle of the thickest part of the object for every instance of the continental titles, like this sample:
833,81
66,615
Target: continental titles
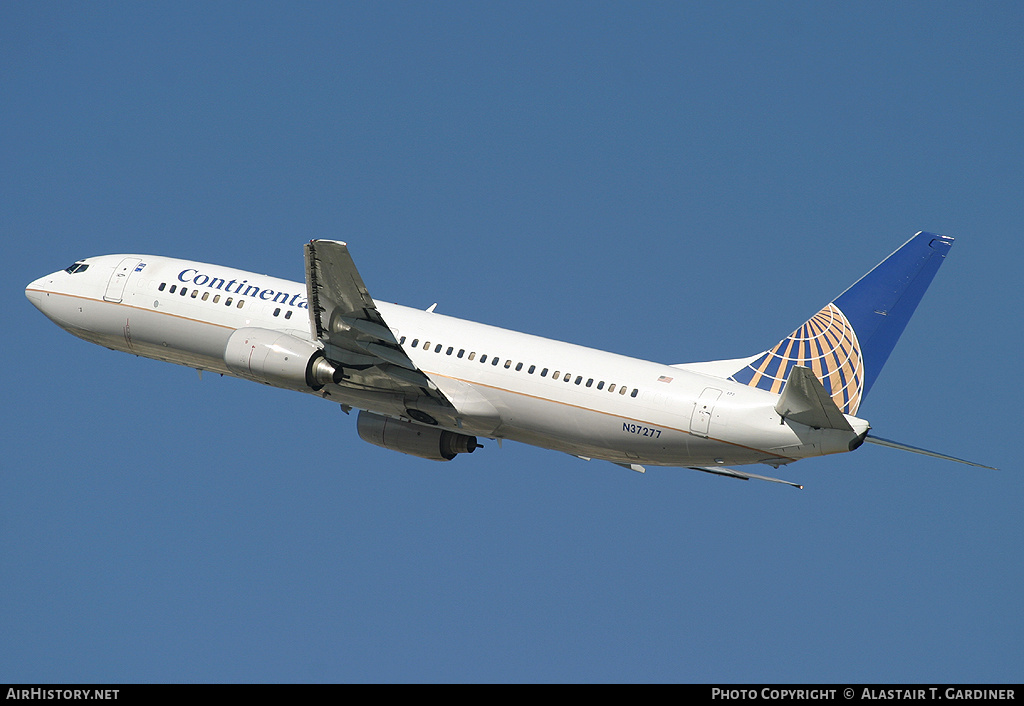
194,276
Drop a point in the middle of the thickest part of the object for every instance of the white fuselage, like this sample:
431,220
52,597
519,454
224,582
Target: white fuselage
505,384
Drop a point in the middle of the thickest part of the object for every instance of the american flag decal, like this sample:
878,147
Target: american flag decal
664,378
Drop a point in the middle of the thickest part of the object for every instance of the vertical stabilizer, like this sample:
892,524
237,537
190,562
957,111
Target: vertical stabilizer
848,341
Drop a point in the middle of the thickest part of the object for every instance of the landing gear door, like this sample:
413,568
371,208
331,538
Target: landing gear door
700,422
118,280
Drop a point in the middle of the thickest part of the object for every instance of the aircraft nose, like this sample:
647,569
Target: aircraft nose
38,292
34,292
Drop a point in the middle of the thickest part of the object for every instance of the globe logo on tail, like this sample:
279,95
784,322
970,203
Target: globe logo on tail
827,344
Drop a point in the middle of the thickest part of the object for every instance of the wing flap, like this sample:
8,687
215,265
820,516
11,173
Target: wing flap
344,317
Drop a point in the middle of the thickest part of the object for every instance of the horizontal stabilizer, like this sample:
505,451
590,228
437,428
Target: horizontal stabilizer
742,475
906,447
805,401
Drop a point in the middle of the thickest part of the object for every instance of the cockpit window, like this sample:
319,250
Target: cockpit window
76,268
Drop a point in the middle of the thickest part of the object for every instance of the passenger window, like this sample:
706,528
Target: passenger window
483,357
600,385
590,382
519,366
288,314
567,378
240,303
216,299
173,287
401,341
633,393
195,293
461,352
206,295
415,342
579,379
611,388
277,311
531,369
544,373
227,302
426,345
622,390
449,351
437,348
495,360
554,376
472,356
183,291
161,287
508,364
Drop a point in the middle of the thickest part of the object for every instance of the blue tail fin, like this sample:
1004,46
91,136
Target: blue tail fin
847,343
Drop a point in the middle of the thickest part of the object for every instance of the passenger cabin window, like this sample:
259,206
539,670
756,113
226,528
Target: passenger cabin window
288,314
519,366
162,286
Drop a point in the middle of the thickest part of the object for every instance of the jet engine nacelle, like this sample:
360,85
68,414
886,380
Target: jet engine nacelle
414,439
278,359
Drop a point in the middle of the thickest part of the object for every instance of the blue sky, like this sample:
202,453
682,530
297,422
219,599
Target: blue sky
678,182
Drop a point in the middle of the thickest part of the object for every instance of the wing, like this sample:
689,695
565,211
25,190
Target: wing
742,475
355,336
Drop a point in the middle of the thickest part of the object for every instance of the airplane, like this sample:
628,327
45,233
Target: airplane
428,385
